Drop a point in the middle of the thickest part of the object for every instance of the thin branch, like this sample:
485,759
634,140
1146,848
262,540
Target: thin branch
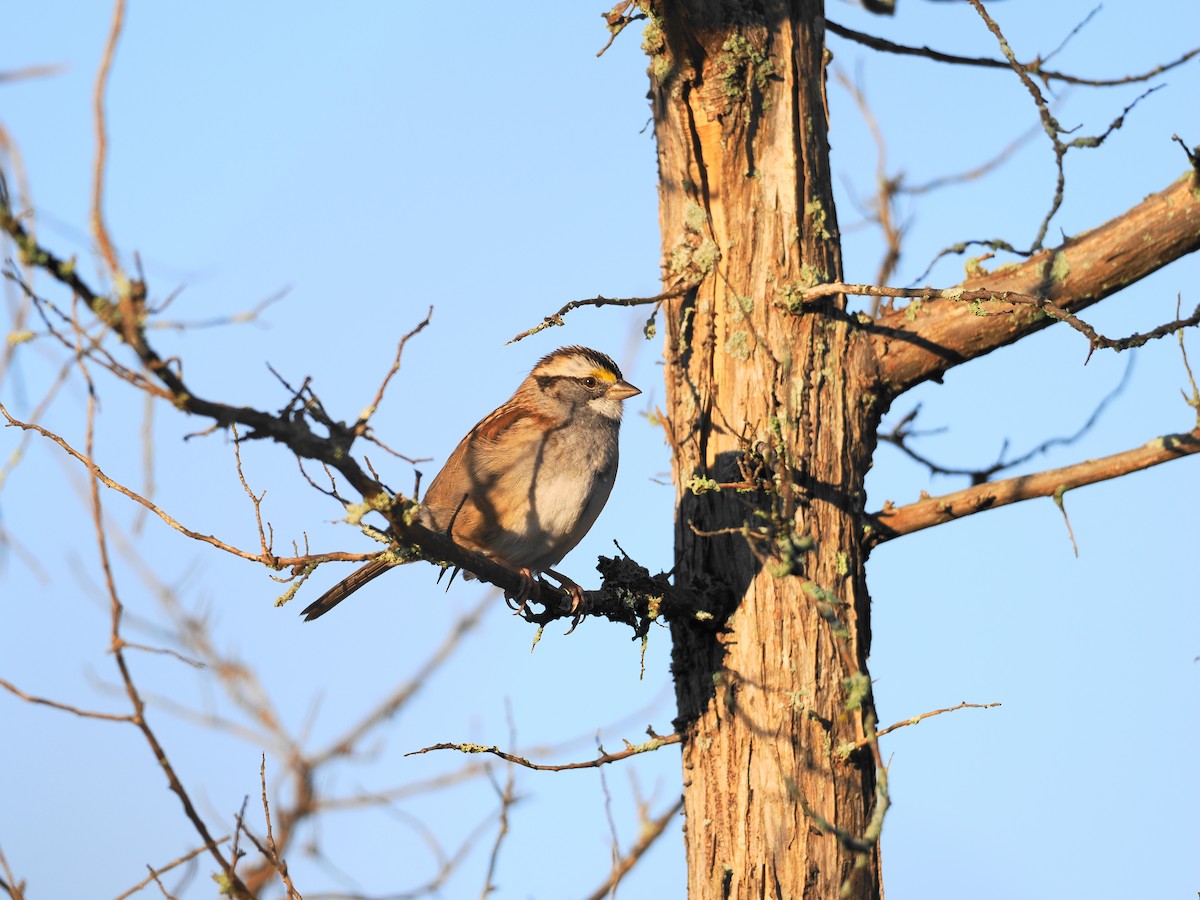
508,797
360,425
25,73
163,870
877,43
116,611
272,850
388,708
556,318
655,742
974,173
99,229
616,20
846,750
902,433
892,521
9,883
650,832
275,562
64,707
1051,125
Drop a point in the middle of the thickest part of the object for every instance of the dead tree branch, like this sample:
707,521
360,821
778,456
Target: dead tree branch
921,342
892,521
556,319
656,741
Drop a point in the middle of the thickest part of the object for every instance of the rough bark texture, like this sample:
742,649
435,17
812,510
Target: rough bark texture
758,395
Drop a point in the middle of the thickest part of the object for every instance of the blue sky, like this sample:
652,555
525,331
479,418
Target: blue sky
379,159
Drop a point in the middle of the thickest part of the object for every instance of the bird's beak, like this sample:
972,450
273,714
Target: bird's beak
622,390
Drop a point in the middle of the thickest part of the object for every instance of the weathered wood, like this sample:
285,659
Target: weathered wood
756,392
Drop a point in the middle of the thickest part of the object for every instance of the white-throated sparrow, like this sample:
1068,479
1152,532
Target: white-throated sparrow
525,484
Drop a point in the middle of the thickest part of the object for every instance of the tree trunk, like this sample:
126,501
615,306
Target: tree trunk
772,420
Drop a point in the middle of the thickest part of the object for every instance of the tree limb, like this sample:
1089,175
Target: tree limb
924,340
892,522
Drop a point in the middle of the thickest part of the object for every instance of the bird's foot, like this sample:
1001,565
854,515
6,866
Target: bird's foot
527,590
578,601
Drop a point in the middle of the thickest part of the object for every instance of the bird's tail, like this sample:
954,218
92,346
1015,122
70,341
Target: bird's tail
346,587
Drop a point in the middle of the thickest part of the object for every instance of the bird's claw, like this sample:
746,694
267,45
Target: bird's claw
530,588
578,603
527,590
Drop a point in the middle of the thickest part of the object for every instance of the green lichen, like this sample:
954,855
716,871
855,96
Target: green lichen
738,345
974,267
814,211
791,295
706,256
654,45
739,308
858,686
741,66
914,307
698,484
1060,268
694,217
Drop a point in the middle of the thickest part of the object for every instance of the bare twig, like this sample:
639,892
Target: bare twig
116,610
388,708
64,707
556,318
508,797
163,870
272,850
900,435
360,425
1049,122
877,43
275,562
914,720
650,832
655,742
99,229
26,73
9,883
616,19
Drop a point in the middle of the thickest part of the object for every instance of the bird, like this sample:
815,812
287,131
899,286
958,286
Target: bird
527,482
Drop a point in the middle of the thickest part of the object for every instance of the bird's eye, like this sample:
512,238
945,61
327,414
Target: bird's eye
589,382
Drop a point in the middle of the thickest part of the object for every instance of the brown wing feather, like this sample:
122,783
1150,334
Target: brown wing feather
463,502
